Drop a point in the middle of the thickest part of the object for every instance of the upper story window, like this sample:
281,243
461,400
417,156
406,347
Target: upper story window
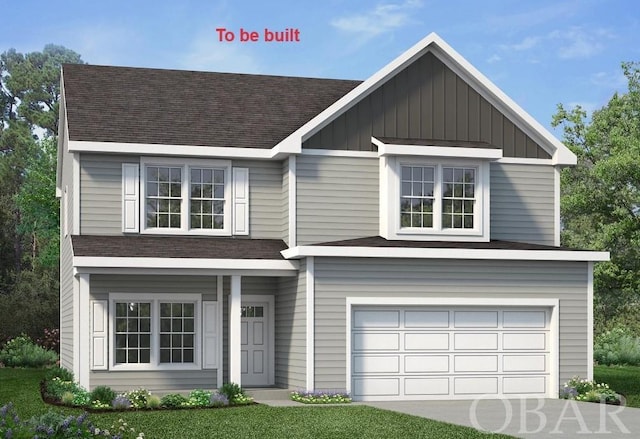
192,197
434,199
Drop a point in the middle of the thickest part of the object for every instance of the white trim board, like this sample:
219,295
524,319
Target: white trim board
385,149
553,304
310,321
443,253
183,263
590,321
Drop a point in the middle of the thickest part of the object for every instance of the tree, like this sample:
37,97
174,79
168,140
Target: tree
600,205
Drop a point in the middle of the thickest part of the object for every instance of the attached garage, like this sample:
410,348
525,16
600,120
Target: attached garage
452,352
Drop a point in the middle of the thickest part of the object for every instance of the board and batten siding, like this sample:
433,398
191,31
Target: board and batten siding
157,381
291,331
338,278
426,100
522,203
337,198
101,195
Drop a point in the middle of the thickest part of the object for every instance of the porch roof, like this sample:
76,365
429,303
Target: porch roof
189,247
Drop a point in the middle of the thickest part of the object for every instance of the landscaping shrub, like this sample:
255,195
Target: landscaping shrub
617,346
199,398
321,397
67,398
588,391
173,400
218,400
154,402
138,397
103,394
50,340
22,352
58,372
57,387
121,402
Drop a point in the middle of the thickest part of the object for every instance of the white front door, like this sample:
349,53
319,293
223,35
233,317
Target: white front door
255,354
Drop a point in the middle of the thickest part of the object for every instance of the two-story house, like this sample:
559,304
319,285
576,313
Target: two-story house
398,237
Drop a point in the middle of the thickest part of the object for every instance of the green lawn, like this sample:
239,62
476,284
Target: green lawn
21,387
622,379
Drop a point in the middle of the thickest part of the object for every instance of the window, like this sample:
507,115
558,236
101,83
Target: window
433,199
155,332
193,197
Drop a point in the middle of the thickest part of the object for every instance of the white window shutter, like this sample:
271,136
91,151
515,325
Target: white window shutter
240,201
99,335
130,195
210,336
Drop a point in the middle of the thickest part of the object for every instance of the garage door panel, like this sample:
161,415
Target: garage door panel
426,342
376,341
476,319
524,363
524,319
475,363
475,341
426,386
524,341
376,319
426,364
524,385
376,364
376,387
475,386
426,319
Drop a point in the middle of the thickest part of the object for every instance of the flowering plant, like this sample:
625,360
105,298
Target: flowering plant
321,397
581,389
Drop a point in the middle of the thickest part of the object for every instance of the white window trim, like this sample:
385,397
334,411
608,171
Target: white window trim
390,175
184,210
155,300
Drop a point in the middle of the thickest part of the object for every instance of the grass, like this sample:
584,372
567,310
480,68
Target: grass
21,386
622,379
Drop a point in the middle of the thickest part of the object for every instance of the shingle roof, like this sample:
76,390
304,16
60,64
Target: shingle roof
145,246
378,241
141,105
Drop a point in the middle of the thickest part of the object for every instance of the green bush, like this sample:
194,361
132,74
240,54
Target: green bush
154,402
58,372
22,352
199,398
231,390
617,346
588,391
67,398
173,400
138,397
103,394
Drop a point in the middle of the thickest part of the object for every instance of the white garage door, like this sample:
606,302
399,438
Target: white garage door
449,353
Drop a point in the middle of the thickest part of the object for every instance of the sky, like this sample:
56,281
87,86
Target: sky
540,53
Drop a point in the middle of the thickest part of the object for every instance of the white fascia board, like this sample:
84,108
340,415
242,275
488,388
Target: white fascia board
183,263
171,150
561,155
443,253
385,149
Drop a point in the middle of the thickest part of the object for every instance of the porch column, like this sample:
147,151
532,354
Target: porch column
85,330
235,301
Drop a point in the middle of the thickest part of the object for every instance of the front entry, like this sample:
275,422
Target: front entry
256,355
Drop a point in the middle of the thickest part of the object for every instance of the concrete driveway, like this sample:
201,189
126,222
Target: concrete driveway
528,418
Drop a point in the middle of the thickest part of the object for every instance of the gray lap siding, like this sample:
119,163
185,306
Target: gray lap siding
339,278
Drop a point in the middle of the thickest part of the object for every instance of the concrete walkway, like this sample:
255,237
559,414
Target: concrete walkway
530,418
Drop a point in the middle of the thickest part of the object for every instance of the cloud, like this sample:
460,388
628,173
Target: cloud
575,42
381,19
206,53
526,44
531,18
609,80
102,43
494,58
